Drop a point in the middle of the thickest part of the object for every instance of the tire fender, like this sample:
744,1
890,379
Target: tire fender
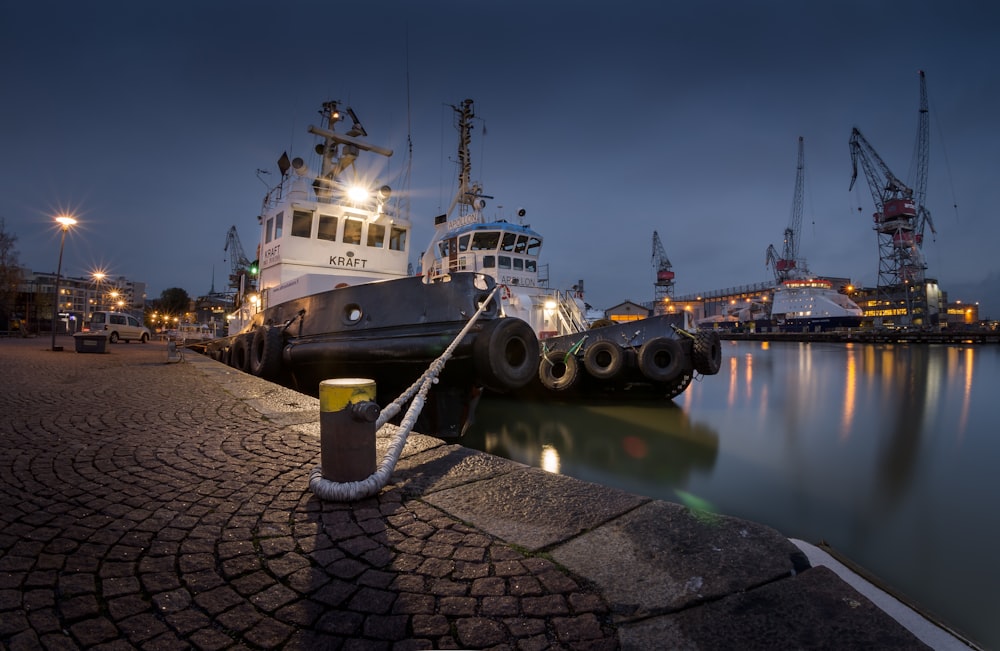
239,353
707,352
505,354
558,370
265,352
604,360
661,359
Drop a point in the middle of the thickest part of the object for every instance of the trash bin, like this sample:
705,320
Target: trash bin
91,342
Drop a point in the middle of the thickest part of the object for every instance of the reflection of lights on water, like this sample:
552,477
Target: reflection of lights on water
550,459
635,447
733,376
700,508
850,392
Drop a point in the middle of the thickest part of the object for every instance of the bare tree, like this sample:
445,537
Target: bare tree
10,275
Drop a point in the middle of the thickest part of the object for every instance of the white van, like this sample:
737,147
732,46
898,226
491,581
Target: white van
119,326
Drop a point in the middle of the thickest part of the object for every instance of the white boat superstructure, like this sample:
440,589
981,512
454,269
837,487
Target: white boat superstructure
813,301
465,239
325,231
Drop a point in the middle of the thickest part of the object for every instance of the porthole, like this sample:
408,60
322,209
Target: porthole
352,313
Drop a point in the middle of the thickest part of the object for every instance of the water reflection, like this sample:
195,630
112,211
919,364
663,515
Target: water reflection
646,442
887,452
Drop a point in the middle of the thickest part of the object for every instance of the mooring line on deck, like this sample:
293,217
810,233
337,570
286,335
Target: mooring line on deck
416,394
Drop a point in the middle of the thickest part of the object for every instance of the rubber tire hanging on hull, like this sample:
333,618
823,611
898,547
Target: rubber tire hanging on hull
707,353
661,359
239,353
265,352
505,354
604,360
558,370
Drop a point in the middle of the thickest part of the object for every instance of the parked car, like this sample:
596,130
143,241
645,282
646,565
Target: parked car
119,326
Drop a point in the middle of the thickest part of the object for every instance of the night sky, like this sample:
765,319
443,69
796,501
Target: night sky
605,121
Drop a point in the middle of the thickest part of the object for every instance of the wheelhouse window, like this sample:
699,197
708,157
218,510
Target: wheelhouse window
518,264
397,239
279,221
489,261
485,241
533,246
522,244
505,262
327,228
376,235
463,243
302,223
508,242
352,231
530,265
269,230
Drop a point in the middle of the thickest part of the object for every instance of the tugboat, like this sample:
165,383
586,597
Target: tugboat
334,299
656,356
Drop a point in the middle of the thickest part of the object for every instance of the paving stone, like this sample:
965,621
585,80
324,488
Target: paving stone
183,519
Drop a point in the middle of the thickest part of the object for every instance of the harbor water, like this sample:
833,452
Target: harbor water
888,453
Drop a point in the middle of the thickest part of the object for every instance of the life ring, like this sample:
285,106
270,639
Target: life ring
265,352
558,370
707,352
604,359
504,293
505,354
661,359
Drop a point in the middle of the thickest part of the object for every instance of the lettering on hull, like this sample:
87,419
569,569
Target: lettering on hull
348,261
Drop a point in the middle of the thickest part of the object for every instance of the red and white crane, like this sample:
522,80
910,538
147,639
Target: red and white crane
788,264
900,218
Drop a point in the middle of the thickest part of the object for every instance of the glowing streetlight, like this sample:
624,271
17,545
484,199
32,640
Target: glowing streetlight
98,277
65,221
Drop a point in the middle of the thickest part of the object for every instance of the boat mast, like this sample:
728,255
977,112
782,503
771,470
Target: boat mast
469,193
334,164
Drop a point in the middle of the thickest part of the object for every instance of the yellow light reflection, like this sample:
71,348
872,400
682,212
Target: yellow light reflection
550,459
733,377
850,393
963,418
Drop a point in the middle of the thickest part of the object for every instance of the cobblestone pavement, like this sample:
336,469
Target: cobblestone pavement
144,506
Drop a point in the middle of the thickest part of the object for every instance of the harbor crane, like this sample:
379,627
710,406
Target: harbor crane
788,265
899,222
240,268
663,286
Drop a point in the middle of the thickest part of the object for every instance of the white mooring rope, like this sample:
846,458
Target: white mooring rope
355,490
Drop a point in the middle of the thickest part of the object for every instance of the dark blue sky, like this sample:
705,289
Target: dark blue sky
605,121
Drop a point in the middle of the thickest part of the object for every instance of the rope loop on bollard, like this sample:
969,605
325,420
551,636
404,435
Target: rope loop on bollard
416,394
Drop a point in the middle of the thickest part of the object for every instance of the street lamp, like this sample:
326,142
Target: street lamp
98,277
65,221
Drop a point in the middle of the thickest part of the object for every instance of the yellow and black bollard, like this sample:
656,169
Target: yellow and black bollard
347,428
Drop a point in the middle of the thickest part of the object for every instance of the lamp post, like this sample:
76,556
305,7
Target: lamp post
65,221
98,279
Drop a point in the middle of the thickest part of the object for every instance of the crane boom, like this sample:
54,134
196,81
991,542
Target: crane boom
238,262
899,221
788,264
663,286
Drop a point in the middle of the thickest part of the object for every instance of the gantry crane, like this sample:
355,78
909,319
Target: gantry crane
899,221
788,265
663,286
241,269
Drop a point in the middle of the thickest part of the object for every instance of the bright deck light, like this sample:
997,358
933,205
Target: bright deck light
357,194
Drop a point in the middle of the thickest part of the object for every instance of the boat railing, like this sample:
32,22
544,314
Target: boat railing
570,317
